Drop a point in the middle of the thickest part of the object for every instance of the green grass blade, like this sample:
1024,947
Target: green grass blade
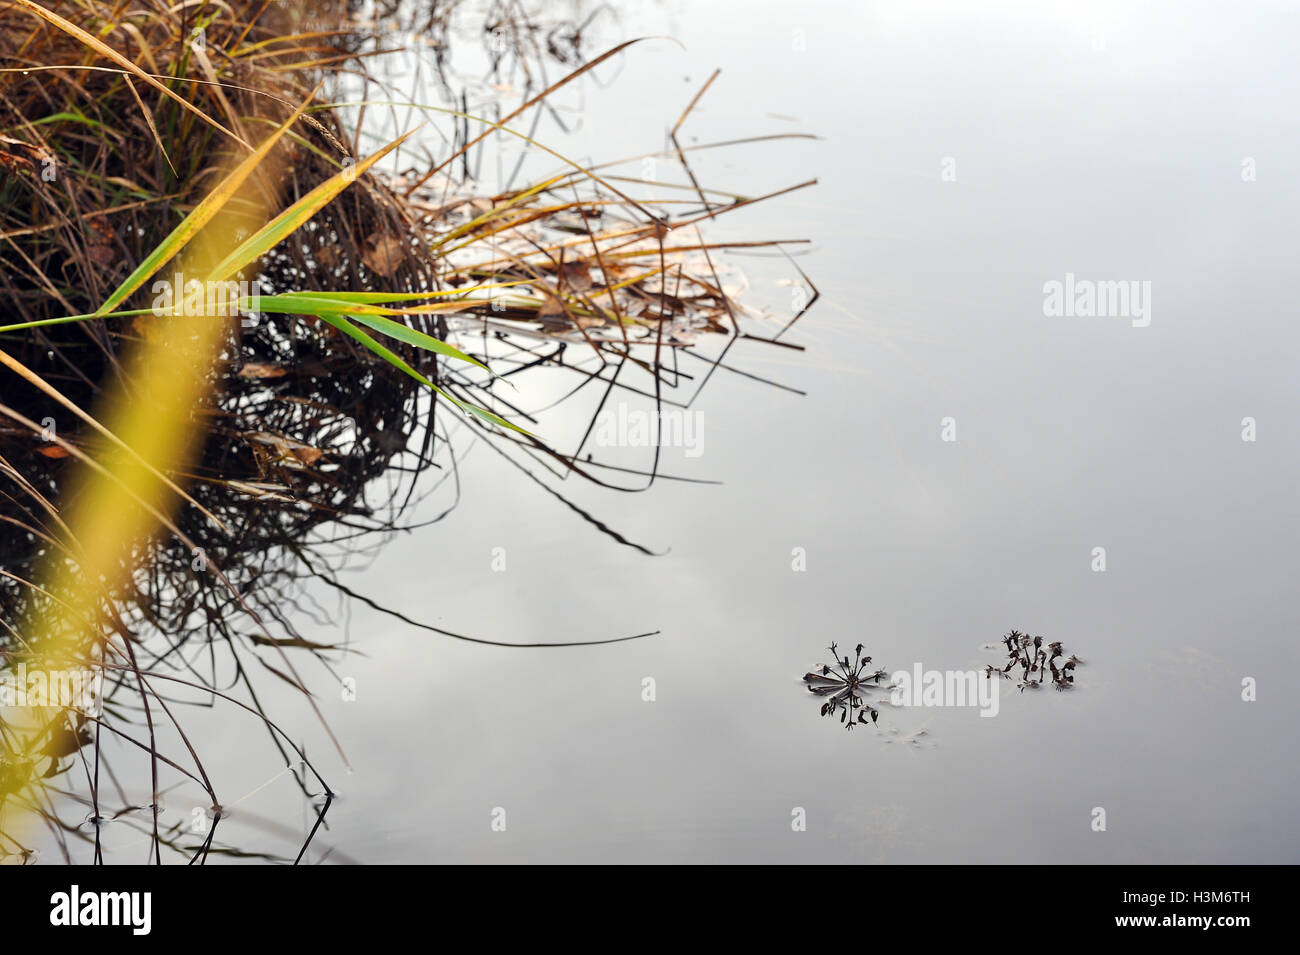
66,319
323,305
379,298
347,328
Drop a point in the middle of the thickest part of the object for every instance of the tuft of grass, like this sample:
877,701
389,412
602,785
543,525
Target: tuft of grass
169,480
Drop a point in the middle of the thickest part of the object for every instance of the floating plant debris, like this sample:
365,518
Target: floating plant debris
846,684
1035,660
917,739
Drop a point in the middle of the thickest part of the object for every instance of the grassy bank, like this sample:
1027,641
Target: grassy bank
169,455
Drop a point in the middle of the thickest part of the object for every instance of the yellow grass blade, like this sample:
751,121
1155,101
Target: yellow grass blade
210,205
288,221
30,376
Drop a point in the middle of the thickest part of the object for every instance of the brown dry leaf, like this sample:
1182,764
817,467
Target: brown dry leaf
270,492
14,164
100,250
102,228
255,369
288,449
384,255
552,308
576,275
34,154
101,255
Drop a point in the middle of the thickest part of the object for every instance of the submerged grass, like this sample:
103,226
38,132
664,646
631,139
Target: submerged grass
167,480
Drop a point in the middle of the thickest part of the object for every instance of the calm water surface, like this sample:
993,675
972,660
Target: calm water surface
1100,141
